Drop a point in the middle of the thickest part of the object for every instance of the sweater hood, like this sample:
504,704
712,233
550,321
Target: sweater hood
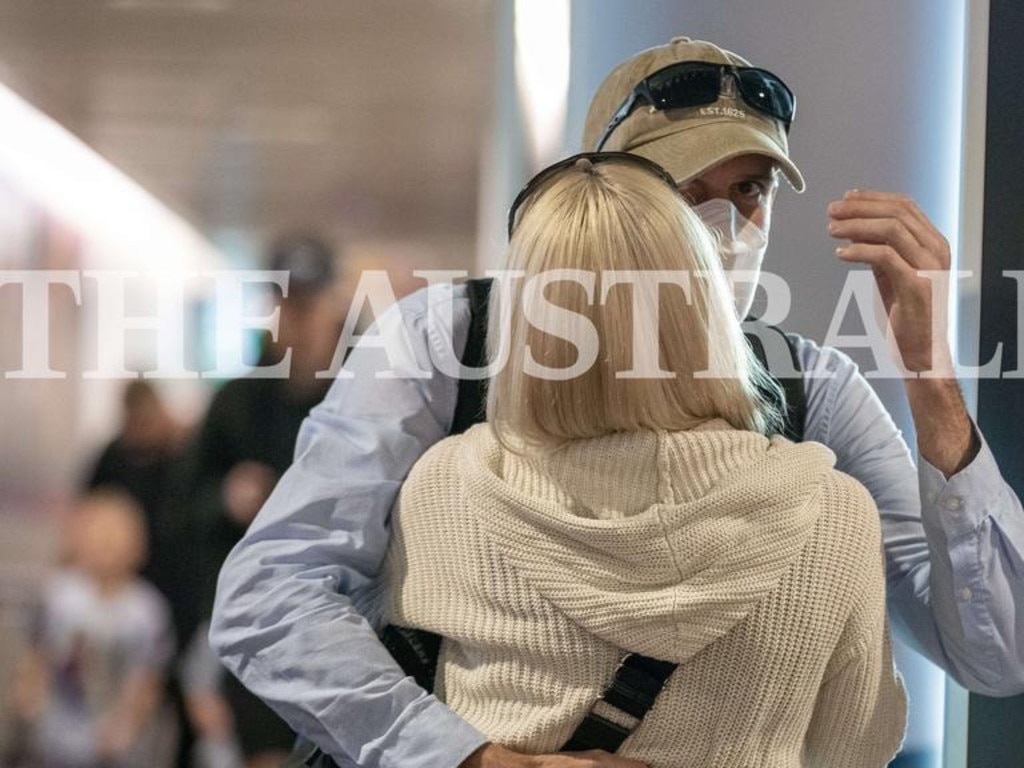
656,542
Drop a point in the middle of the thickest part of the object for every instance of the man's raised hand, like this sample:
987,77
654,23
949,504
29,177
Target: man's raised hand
889,233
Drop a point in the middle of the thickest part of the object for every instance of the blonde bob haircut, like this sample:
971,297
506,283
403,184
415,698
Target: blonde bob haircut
611,217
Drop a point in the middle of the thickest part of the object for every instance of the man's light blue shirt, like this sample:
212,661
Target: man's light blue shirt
295,614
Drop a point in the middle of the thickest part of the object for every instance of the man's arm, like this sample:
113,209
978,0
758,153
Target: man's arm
952,576
968,510
287,619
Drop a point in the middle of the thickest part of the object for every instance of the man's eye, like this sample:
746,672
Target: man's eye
750,189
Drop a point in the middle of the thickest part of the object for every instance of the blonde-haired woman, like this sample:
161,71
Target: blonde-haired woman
639,506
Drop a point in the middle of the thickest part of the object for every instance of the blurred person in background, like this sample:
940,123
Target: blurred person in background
144,460
90,687
140,460
246,442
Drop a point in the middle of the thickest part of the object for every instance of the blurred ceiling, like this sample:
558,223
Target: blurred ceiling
363,117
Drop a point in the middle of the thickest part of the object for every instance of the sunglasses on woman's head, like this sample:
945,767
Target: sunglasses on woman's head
591,158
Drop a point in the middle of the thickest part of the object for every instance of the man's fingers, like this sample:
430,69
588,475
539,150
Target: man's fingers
874,194
596,758
890,232
883,209
881,258
872,204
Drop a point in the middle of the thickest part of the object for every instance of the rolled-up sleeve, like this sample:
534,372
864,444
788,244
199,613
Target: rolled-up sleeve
294,611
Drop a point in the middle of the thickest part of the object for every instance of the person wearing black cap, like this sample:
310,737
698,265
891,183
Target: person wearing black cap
245,443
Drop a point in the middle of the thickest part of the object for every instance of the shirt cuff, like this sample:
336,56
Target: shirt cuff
962,503
435,737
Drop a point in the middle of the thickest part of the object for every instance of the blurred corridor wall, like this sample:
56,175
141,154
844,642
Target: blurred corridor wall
240,120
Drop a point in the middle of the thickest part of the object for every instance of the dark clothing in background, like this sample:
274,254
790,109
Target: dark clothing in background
253,419
146,475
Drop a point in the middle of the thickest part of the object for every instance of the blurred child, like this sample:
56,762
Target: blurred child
90,687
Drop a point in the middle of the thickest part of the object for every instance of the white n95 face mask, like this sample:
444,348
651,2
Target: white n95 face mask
741,246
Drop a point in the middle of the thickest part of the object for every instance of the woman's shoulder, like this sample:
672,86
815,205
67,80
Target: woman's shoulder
849,514
436,482
445,456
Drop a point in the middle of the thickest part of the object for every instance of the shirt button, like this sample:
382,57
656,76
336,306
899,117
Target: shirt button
954,503
966,594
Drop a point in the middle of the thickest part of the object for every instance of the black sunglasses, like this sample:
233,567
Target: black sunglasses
694,83
594,158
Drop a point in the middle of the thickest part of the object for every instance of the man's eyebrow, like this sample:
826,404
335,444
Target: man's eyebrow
771,175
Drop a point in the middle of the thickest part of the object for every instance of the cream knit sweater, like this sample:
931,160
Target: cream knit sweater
751,562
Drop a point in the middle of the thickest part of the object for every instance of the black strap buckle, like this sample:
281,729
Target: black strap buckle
634,689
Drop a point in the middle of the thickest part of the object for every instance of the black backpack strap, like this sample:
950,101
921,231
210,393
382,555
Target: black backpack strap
306,754
777,353
416,652
470,407
623,705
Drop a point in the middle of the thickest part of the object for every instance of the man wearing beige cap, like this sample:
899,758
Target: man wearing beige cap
291,598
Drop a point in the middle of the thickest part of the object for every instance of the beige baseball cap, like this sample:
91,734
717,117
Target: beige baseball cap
690,140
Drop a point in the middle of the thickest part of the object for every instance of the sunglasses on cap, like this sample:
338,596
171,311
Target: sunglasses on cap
695,83
584,160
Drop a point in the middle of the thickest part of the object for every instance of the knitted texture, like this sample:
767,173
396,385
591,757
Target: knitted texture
751,562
